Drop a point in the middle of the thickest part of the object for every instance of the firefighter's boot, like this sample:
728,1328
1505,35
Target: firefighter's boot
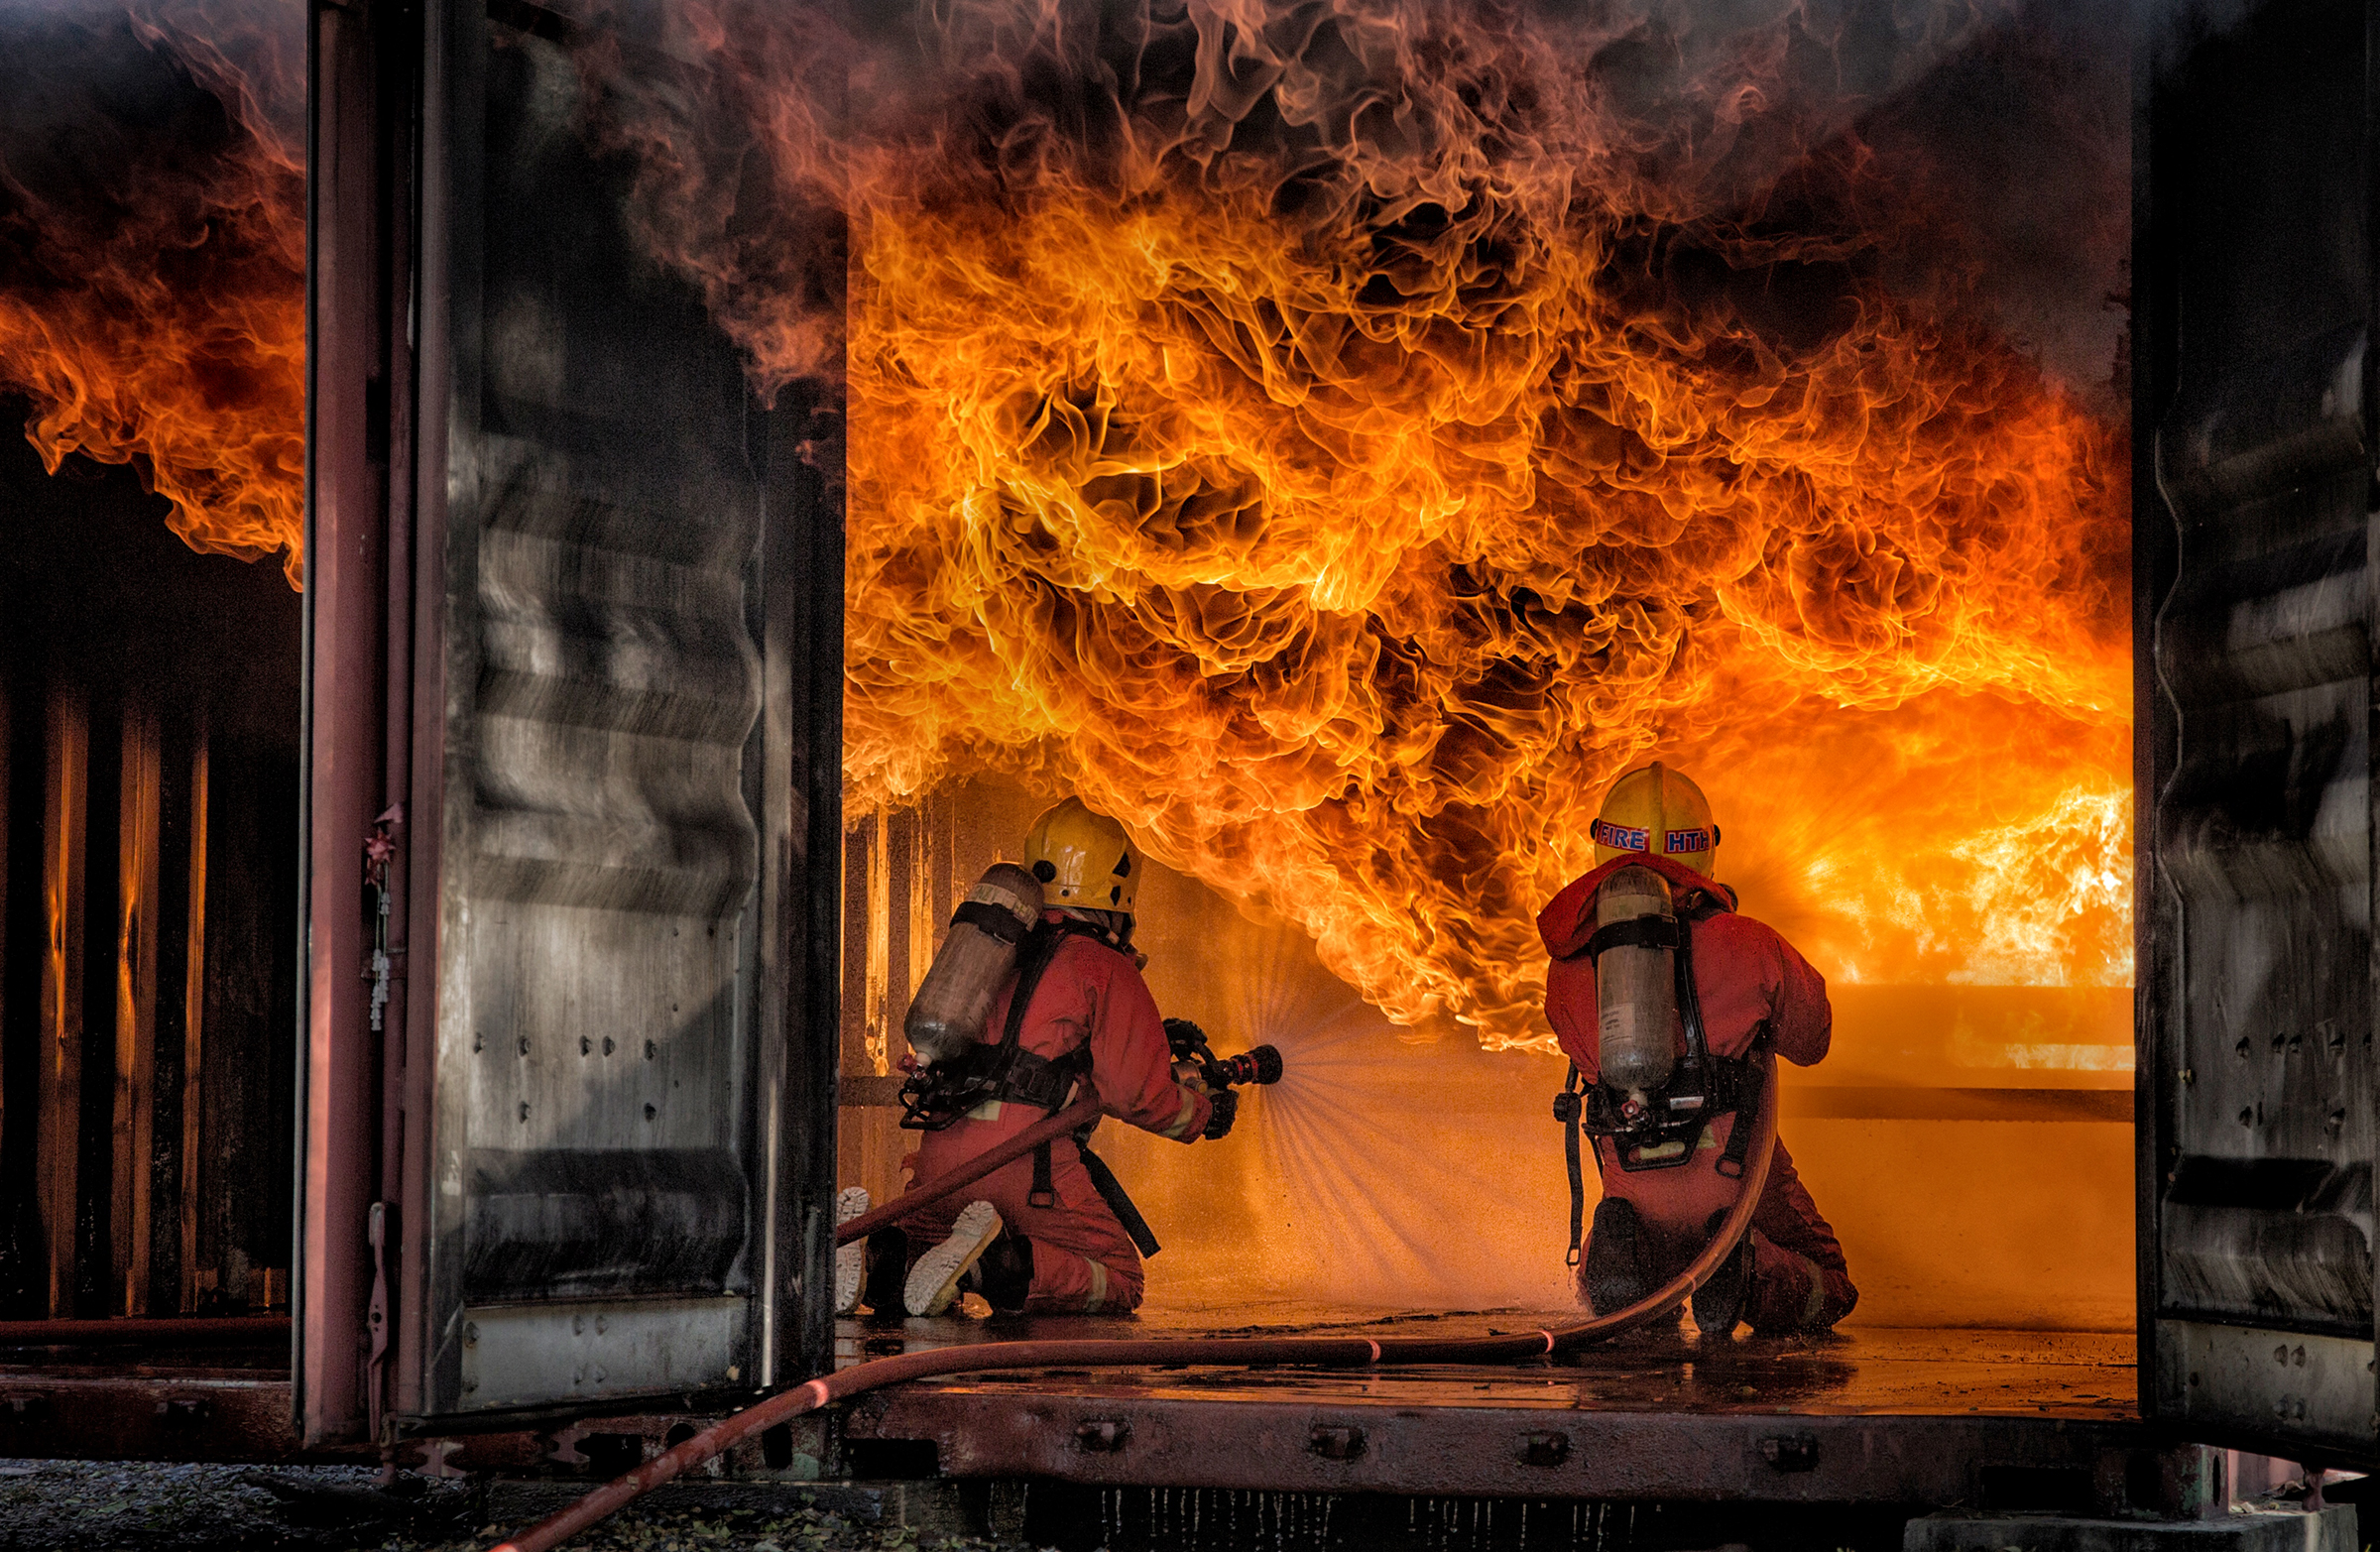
887,1253
1004,1275
1613,1274
933,1283
851,1260
1718,1304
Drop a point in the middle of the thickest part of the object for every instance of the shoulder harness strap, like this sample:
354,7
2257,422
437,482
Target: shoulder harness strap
1040,948
1567,1107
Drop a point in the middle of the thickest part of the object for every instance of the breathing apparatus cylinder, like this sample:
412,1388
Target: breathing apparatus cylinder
977,958
1635,989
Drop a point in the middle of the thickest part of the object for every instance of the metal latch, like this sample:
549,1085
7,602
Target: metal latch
1791,1451
1335,1444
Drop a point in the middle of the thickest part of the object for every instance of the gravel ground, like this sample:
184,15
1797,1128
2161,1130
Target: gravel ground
110,1506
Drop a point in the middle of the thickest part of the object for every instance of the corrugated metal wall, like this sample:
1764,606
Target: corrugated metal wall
2254,374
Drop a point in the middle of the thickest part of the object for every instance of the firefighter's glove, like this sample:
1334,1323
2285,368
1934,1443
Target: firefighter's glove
1225,1109
1186,1038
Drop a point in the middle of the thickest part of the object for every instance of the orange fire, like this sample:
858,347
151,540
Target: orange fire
1335,438
153,293
1339,440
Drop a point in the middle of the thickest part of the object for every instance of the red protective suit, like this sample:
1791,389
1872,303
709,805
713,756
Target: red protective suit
1083,1260
1749,979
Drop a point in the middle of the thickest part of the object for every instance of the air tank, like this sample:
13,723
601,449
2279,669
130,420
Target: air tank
1635,987
977,957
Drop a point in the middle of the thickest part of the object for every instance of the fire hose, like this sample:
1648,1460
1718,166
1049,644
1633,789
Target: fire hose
1113,1352
1080,1114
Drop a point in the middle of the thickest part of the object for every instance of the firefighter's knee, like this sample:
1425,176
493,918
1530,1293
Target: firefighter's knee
1792,1294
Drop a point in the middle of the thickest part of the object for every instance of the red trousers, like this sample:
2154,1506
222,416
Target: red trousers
1084,1263
1799,1279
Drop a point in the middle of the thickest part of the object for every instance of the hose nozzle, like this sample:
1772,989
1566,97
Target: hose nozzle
1262,1065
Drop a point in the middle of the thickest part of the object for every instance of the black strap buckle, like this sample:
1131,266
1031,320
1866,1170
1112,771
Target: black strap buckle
1567,1107
1636,932
994,920
1045,1191
1749,1080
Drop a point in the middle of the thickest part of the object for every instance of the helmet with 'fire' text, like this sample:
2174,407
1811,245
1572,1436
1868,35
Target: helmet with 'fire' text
1656,809
1083,860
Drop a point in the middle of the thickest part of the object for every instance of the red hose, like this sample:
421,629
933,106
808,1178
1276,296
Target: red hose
1080,1114
1236,1352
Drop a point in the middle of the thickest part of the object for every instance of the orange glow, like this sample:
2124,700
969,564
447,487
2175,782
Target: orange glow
160,320
1344,513
1338,459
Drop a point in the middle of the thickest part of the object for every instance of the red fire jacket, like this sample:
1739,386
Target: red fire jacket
1747,976
1092,994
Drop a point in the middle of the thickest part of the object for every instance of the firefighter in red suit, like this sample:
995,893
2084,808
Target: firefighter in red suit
1758,998
1048,1232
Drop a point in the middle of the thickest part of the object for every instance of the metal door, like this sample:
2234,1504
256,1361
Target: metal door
2254,539
608,663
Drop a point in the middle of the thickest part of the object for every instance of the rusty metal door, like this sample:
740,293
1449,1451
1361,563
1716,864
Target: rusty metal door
2254,532
613,628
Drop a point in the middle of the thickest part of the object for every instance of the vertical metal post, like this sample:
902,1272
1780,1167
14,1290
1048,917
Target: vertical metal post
2150,294
7,781
347,596
878,962
194,1025
57,1149
136,843
2370,151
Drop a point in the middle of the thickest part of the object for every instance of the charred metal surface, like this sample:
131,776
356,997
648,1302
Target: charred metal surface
2253,409
1999,1419
1422,1439
182,1411
1077,1518
594,617
583,1222
601,684
1897,1417
114,1413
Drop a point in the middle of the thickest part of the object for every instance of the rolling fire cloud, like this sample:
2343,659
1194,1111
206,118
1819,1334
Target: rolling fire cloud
153,257
1339,437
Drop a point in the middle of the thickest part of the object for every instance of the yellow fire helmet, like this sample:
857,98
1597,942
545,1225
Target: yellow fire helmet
1656,809
1083,859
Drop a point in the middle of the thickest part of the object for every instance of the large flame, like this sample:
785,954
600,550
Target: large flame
1340,438
153,259
1335,438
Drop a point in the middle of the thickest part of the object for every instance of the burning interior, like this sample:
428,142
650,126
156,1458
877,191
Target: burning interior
1335,439
1339,441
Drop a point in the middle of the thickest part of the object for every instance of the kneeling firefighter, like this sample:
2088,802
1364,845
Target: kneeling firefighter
1004,1047
1672,1008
